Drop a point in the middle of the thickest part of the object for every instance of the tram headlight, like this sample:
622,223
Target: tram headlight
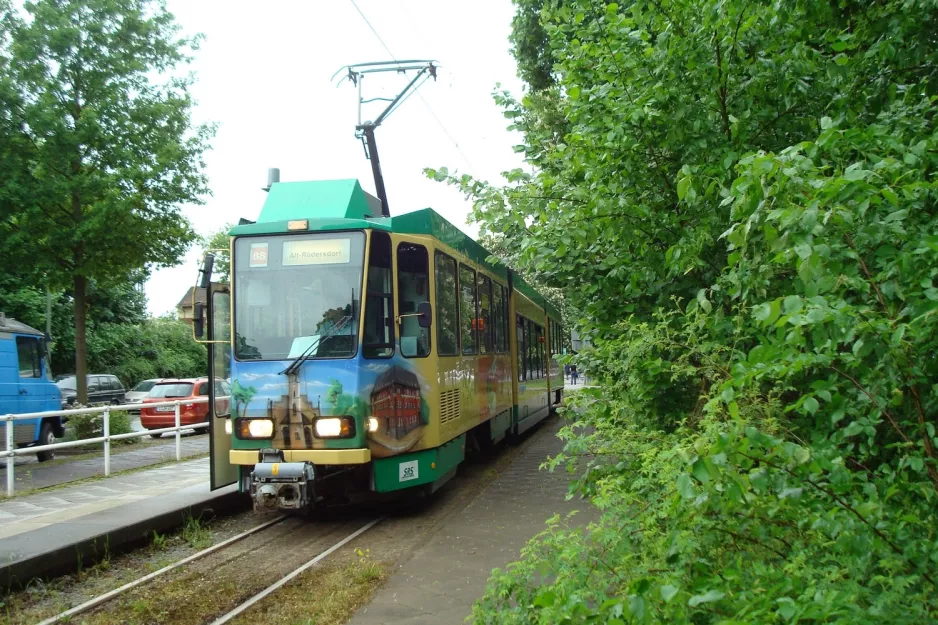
228,427
372,424
335,427
255,428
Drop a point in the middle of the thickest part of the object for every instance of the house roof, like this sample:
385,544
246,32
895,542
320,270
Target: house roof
186,301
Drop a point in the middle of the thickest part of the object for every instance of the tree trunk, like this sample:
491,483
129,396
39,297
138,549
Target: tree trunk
81,350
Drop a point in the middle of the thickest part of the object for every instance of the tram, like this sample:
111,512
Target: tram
366,352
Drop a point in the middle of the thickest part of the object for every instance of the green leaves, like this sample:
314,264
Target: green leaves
708,597
752,195
100,154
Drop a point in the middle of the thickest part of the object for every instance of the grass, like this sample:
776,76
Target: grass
40,598
326,595
196,533
159,541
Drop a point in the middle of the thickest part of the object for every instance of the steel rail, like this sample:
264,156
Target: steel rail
289,576
91,603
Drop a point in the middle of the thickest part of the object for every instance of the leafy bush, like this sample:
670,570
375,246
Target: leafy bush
157,348
741,200
92,425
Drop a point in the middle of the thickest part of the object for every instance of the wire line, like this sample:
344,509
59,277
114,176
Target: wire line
419,95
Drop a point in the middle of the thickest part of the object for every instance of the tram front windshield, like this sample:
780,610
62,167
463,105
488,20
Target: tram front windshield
297,294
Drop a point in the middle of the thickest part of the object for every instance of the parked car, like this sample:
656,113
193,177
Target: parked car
137,393
25,387
102,389
189,413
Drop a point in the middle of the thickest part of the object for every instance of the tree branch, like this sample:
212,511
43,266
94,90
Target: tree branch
876,403
721,78
869,276
846,506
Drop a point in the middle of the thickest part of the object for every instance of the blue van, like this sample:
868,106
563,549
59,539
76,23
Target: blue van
26,386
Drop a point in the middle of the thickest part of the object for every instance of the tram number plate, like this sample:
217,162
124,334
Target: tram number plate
408,471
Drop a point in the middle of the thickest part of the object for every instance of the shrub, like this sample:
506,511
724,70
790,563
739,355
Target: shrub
92,425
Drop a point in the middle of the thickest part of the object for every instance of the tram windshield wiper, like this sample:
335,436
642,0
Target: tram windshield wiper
294,366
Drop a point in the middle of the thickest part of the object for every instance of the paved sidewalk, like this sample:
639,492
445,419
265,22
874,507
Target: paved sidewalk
39,475
47,533
441,580
29,512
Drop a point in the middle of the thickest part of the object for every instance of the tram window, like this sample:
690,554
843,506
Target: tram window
296,294
485,315
539,346
413,287
446,316
519,337
467,310
498,322
379,308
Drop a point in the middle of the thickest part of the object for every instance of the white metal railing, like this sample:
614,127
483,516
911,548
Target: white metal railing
106,438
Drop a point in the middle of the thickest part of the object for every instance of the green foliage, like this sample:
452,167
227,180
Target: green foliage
530,45
158,348
116,321
742,203
97,157
92,425
218,243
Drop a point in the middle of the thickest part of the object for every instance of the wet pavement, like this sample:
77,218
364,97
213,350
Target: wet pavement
440,581
30,474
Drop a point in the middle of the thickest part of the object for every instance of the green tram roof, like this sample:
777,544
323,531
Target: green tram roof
344,205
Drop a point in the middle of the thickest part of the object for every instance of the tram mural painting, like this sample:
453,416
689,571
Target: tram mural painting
392,392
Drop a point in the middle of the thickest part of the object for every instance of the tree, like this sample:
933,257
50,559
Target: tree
218,244
100,156
743,206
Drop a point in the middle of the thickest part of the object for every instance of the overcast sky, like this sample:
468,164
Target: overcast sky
263,74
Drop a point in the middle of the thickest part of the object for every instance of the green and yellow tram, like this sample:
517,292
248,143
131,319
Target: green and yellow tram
365,353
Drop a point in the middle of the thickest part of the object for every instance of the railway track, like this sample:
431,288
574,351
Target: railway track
286,578
67,615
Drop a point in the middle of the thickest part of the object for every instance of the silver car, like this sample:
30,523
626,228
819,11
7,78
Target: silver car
137,393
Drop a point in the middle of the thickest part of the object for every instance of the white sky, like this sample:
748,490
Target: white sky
263,74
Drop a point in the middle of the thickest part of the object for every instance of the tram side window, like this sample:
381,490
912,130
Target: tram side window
521,353
541,360
467,310
498,322
486,331
413,287
528,350
379,307
447,319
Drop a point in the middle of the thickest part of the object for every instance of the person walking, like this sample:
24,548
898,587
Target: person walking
573,374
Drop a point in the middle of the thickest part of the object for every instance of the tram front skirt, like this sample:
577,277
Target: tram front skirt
282,485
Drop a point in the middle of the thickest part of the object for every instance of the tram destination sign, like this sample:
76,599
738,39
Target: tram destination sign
316,252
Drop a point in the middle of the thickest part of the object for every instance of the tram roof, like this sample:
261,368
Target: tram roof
344,205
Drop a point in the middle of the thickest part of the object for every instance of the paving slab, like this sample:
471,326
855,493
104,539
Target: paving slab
49,533
442,579
29,474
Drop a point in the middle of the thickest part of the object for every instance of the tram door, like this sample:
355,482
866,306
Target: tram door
223,472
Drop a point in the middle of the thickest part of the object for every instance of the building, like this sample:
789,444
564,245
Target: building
578,342
184,307
395,402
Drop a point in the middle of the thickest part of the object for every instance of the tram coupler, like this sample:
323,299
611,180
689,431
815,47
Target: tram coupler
282,485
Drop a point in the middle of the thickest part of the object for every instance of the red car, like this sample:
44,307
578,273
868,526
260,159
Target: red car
189,413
